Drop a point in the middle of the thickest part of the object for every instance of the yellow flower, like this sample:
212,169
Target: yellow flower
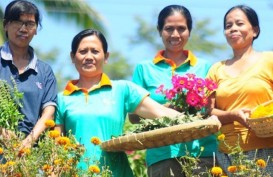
63,140
263,111
95,140
46,168
242,167
57,161
10,163
94,169
216,171
261,163
221,137
232,169
53,134
24,151
1,150
49,123
70,161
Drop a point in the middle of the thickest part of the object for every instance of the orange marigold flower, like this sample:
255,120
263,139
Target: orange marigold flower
261,163
17,175
94,169
70,161
1,150
24,151
216,171
53,134
49,123
46,168
232,169
221,137
63,140
95,140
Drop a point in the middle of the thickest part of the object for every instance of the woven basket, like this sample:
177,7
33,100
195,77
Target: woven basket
163,136
263,127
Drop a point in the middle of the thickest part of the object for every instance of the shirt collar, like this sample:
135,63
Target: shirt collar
7,55
191,58
72,87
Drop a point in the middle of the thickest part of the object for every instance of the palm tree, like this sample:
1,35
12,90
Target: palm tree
70,10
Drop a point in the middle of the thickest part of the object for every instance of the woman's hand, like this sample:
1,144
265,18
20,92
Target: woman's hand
7,134
241,115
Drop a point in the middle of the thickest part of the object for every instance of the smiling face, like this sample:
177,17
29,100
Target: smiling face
175,32
89,57
20,36
238,30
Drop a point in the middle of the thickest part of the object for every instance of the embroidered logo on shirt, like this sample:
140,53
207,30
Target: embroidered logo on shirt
39,85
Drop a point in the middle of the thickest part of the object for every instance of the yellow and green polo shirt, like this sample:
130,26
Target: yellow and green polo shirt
100,112
150,75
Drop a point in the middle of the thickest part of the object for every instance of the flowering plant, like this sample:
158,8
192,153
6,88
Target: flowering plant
241,164
53,155
189,93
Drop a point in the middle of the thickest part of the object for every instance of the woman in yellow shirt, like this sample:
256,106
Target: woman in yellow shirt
244,81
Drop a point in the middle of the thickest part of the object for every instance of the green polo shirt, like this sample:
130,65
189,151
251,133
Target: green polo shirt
150,75
100,112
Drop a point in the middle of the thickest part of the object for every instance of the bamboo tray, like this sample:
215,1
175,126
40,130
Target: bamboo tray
163,136
263,127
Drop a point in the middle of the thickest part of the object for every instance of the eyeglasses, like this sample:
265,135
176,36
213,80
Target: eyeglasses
28,24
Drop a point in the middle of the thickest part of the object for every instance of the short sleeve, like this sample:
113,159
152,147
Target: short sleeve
59,113
138,76
212,73
135,95
50,95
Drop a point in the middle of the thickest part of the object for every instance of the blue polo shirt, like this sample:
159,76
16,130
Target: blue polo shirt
150,75
100,112
37,83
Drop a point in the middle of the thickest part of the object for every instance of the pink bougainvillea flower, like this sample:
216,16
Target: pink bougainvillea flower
192,99
182,82
170,94
160,89
190,85
200,82
211,85
200,90
188,90
190,75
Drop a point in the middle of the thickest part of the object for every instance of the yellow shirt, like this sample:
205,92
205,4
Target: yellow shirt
247,90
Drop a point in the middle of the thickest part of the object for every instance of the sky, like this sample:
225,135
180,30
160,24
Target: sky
118,18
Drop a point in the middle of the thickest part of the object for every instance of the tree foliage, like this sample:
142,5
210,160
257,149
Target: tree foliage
118,67
74,11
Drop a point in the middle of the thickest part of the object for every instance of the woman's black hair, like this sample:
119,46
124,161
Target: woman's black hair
170,10
16,8
88,32
250,14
